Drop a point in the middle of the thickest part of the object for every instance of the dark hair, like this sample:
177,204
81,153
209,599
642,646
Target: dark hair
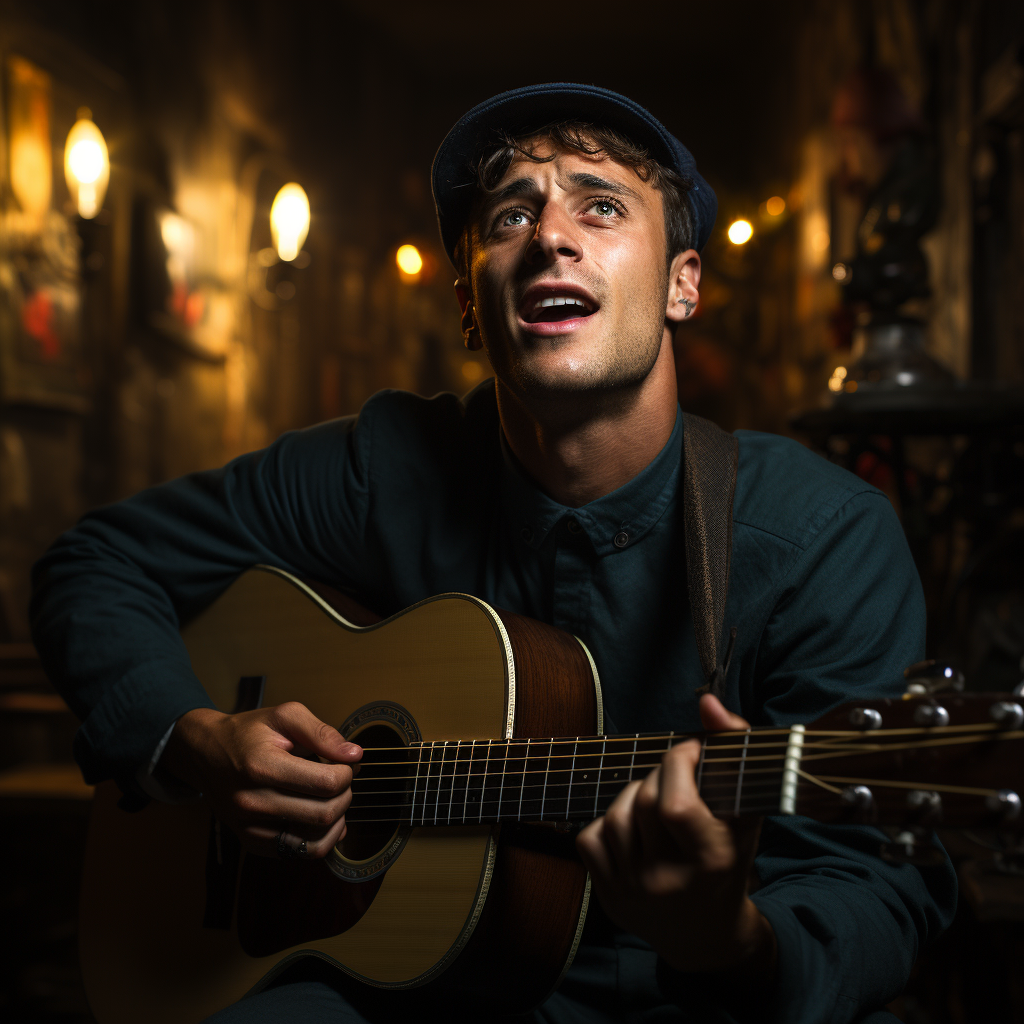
591,139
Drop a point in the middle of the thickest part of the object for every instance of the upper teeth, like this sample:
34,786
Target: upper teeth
561,300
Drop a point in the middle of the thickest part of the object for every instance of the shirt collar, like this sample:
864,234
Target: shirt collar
612,522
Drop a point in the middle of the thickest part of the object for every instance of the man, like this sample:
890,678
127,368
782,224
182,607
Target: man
575,222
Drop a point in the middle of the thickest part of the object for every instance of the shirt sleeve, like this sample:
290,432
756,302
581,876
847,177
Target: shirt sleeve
848,925
109,596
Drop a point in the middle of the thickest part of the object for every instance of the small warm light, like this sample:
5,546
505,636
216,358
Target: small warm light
409,260
472,371
840,272
289,220
740,232
775,206
835,382
86,165
851,386
820,241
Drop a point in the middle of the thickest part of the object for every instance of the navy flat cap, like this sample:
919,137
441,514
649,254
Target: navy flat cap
453,176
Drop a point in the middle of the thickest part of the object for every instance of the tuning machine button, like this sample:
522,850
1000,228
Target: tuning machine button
924,804
865,718
931,716
1005,803
1008,714
927,677
858,798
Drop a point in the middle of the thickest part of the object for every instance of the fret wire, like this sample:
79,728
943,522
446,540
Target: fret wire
597,788
522,788
483,785
440,781
415,786
739,777
700,764
547,773
469,778
501,790
572,771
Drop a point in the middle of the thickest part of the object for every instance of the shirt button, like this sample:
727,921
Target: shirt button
527,534
573,526
621,539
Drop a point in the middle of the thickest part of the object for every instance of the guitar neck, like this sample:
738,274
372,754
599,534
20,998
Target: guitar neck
567,779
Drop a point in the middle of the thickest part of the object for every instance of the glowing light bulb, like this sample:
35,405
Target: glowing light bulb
740,232
409,260
86,165
289,220
775,206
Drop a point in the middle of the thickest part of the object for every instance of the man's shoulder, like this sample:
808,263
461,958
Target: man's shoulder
400,427
786,490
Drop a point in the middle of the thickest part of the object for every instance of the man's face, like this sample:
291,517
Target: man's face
568,274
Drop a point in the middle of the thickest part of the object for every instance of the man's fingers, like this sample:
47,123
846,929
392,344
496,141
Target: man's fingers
300,725
594,854
715,718
620,830
267,765
262,839
686,817
315,816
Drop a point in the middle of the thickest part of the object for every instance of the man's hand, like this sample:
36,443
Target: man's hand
253,769
668,871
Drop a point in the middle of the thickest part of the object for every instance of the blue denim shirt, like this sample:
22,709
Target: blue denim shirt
416,497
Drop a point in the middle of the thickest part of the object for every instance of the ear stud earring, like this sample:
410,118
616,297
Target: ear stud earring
687,305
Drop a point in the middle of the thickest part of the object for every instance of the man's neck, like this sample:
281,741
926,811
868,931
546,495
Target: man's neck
579,451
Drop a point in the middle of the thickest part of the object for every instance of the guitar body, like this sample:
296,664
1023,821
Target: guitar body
176,924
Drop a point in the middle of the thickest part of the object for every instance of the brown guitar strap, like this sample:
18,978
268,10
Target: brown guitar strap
710,461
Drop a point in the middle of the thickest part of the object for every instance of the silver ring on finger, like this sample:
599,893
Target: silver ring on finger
289,846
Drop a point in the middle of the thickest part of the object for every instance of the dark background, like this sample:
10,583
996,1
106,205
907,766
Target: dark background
208,108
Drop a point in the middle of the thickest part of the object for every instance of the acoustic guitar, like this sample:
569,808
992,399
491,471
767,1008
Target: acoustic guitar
457,881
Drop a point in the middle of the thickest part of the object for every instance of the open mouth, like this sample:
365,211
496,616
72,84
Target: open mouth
556,309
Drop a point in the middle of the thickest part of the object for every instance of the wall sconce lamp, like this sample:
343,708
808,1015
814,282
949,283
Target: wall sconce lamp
289,221
740,232
86,165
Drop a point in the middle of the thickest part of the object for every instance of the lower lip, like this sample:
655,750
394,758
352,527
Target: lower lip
548,328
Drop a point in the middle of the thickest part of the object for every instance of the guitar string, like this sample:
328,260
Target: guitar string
831,753
867,745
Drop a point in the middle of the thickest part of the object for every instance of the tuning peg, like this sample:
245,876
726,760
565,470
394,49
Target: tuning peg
1008,714
924,805
1005,803
865,718
933,676
911,845
931,715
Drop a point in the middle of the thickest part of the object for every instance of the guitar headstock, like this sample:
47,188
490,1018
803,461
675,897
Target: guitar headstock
953,760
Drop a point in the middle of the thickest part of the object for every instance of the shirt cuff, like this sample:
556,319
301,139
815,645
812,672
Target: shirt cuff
163,787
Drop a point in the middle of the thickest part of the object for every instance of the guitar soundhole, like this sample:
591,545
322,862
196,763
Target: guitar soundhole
376,828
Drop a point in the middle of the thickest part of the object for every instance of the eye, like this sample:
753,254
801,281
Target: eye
604,208
513,219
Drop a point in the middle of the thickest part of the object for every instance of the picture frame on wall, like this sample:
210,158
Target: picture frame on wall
42,356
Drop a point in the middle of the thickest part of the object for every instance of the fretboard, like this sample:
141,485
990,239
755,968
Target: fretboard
457,782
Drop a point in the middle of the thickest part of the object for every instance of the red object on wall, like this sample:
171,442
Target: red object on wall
37,319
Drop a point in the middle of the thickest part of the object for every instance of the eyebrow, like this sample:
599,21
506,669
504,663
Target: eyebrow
583,180
579,179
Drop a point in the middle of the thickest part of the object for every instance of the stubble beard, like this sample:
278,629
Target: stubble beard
622,367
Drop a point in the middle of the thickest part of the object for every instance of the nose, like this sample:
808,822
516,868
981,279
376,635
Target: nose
554,238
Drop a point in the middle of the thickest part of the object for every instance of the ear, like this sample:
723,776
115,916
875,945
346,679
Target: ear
683,285
470,332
